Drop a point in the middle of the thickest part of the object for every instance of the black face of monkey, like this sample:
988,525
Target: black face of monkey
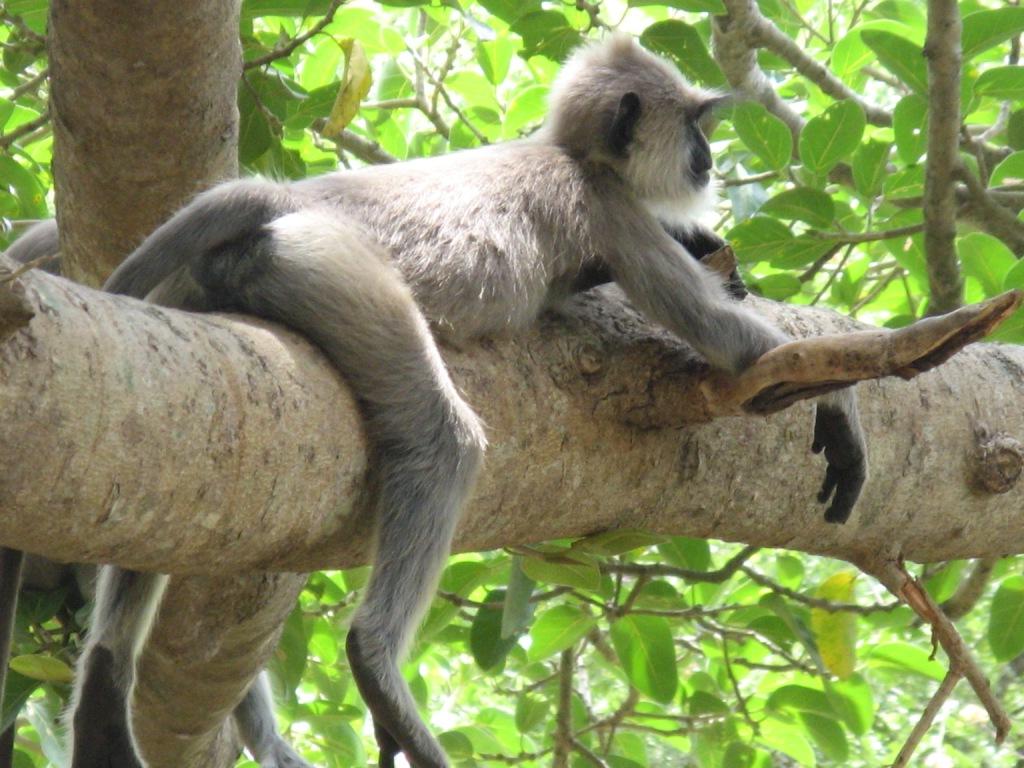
700,156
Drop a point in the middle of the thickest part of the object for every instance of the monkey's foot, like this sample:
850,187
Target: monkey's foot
282,756
811,367
395,720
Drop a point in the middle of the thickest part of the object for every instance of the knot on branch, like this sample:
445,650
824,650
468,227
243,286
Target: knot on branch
998,462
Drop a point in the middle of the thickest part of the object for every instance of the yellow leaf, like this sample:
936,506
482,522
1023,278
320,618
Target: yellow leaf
836,632
355,84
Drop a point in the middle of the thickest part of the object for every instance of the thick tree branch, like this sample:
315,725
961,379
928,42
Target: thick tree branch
246,440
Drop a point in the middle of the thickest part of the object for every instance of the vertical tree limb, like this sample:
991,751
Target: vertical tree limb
942,50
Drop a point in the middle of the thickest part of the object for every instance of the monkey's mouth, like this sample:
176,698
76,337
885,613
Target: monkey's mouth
702,179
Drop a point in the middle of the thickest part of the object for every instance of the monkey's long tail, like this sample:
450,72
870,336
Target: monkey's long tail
228,216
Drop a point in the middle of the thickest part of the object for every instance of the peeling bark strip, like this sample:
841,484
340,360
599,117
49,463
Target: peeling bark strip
227,444
942,50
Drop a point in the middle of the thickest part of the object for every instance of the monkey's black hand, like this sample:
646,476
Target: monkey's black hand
837,432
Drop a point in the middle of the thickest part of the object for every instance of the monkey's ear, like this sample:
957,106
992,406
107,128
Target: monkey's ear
623,127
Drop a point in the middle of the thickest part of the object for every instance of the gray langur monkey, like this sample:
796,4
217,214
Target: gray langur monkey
370,264
96,742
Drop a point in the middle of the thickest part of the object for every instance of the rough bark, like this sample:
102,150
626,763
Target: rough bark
225,444
144,115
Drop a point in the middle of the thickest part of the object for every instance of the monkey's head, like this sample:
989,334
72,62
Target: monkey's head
617,104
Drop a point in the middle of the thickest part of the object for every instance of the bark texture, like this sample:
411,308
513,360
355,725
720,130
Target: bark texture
223,444
144,116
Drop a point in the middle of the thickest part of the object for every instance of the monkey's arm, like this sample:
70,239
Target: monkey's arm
678,293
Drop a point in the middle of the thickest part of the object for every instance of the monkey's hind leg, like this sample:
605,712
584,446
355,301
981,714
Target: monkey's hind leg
126,602
254,716
325,277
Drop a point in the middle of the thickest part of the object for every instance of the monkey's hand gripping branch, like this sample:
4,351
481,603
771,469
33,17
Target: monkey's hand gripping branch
811,367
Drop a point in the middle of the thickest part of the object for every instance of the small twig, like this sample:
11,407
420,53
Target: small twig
9,277
740,698
24,129
817,602
288,48
870,237
970,589
961,661
927,718
834,274
368,151
757,177
820,262
876,291
767,35
719,576
595,760
563,722
29,85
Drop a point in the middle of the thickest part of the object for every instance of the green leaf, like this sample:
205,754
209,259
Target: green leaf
494,58
1015,277
571,573
457,745
986,259
759,238
486,643
800,698
683,44
644,646
835,633
764,134
684,552
509,10
531,711
910,126
518,610
850,55
869,167
831,136
1006,621
803,203
1009,170
546,33
984,29
46,669
828,735
1001,83
694,6
905,183
787,739
853,701
298,8
777,287
609,543
900,56
907,657
16,693
557,629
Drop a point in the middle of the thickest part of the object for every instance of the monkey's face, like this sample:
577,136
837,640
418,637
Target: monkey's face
621,106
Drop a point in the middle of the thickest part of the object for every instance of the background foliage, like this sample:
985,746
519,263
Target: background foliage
625,650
